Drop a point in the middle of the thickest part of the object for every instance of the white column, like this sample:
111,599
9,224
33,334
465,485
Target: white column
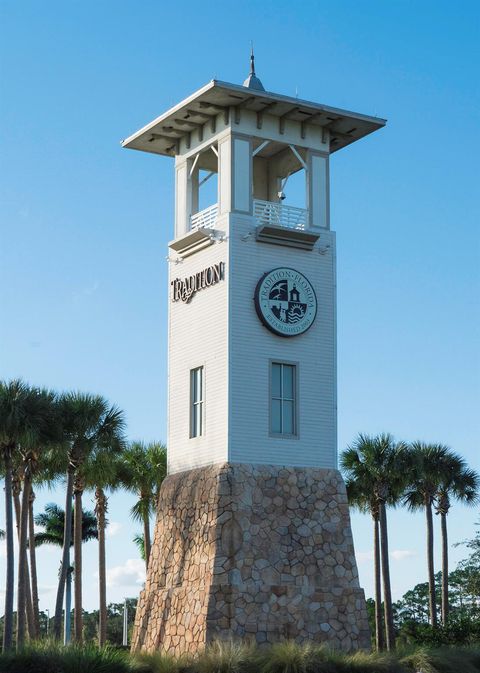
242,175
182,200
318,191
225,175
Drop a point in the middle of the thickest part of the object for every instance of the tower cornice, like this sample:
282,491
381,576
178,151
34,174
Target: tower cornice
163,134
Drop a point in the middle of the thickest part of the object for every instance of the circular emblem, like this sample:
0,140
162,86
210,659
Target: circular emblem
285,302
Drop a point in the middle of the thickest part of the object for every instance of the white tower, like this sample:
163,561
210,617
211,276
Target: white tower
252,378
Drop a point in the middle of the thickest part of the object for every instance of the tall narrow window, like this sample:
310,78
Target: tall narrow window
283,404
196,402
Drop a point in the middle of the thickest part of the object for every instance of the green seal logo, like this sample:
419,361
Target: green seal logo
285,302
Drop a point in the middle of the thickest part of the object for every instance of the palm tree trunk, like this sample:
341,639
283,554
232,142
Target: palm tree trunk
431,571
146,538
445,607
67,622
379,640
33,565
100,511
387,592
22,563
57,623
9,586
77,551
27,601
29,604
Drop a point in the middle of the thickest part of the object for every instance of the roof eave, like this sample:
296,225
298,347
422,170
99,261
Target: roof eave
376,122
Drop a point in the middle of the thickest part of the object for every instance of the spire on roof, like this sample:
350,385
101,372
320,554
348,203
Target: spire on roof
252,81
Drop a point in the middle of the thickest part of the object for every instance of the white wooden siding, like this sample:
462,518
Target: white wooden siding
220,330
198,336
252,346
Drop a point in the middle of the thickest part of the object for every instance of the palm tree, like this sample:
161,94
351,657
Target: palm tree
462,484
100,472
17,476
142,469
361,495
49,468
89,424
428,467
41,410
376,464
33,566
52,520
19,423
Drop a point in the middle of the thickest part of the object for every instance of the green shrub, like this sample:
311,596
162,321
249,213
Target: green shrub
225,656
364,662
234,657
286,657
159,662
444,660
459,631
48,657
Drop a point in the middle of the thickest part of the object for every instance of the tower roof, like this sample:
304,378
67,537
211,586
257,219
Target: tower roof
163,134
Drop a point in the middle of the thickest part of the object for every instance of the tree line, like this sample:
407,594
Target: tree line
411,613
77,439
380,473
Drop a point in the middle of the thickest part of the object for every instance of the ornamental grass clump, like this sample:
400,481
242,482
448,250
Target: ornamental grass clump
288,657
364,662
48,657
160,662
225,657
444,660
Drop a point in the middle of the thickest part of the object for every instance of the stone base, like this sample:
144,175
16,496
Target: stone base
260,552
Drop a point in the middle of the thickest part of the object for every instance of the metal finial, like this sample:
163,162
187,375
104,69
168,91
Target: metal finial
252,60
252,81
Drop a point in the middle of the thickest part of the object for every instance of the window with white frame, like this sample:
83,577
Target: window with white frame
197,399
283,399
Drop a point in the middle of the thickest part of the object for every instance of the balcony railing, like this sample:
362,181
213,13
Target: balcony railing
290,217
205,219
265,212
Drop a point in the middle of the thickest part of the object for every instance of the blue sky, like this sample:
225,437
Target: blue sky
85,224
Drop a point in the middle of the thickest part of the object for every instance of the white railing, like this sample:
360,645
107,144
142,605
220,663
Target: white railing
265,212
205,219
290,217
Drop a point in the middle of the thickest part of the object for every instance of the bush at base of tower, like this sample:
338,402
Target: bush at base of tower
229,657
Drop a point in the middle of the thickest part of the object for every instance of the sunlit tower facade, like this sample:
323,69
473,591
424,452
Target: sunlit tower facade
253,534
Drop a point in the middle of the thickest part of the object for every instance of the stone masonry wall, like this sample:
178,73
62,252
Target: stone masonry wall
260,552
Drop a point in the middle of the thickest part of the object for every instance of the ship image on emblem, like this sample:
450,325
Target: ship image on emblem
285,302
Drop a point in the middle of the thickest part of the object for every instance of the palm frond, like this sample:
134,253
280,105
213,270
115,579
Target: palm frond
48,538
142,509
435,473
52,520
140,543
374,468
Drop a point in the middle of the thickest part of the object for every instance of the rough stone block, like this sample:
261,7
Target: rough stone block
262,551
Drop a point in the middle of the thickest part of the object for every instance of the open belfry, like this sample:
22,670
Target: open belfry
253,536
